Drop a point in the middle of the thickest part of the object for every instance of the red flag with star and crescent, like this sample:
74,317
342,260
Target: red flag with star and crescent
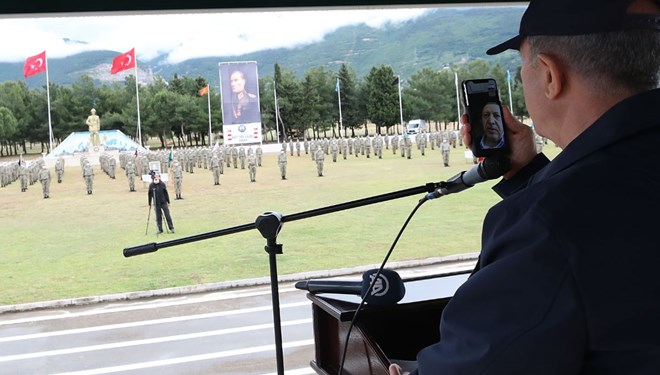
35,65
123,62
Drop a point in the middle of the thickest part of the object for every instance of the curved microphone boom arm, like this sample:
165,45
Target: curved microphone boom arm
153,246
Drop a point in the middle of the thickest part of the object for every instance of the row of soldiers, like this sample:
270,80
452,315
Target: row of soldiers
186,159
27,173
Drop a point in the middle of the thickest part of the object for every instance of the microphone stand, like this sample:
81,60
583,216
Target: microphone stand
269,225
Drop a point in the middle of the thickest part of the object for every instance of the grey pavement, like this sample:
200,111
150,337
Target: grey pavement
407,269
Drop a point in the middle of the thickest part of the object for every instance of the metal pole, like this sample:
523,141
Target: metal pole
137,100
458,103
508,79
398,78
339,99
277,113
208,94
50,127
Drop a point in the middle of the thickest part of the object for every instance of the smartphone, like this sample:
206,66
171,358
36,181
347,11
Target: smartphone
484,109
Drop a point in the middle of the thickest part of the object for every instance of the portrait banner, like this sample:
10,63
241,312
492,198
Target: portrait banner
239,92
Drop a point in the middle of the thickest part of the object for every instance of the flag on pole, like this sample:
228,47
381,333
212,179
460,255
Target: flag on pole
204,90
123,62
171,157
337,86
35,65
508,77
395,81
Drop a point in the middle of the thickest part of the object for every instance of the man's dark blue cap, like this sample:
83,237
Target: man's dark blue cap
580,17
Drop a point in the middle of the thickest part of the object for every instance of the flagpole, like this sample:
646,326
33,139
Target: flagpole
508,79
341,120
137,99
458,104
50,127
398,79
208,93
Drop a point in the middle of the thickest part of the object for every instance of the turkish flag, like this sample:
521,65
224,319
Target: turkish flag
123,62
35,64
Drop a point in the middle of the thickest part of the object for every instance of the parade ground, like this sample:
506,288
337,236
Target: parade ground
70,245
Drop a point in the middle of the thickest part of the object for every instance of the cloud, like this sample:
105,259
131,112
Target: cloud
183,36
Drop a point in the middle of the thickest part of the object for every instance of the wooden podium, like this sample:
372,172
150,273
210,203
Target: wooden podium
381,333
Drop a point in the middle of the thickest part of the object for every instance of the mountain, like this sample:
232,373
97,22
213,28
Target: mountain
438,38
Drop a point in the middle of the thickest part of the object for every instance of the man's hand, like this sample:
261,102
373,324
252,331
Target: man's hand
519,136
397,370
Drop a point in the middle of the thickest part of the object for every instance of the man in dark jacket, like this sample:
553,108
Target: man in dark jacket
158,193
566,281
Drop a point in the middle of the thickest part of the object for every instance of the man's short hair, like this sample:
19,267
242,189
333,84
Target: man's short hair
622,59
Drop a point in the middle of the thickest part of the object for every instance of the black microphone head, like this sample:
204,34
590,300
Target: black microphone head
494,167
387,290
302,285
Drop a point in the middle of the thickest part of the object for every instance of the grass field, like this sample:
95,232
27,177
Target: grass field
71,244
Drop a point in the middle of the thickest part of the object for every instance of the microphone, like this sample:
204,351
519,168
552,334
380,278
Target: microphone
388,289
490,168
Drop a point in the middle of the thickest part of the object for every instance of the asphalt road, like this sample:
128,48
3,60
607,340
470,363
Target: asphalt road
223,332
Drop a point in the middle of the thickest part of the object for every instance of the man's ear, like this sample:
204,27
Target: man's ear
553,75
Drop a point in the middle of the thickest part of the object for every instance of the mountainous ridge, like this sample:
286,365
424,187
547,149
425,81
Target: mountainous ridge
440,37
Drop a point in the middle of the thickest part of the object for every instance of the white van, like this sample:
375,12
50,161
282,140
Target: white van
416,126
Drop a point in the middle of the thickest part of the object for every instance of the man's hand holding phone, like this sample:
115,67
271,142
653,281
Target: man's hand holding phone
520,137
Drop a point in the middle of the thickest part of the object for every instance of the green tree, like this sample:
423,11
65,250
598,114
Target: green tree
353,113
8,128
383,97
15,97
289,99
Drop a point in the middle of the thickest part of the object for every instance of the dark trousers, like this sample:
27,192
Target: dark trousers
160,210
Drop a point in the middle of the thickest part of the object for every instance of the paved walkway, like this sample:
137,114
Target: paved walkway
407,269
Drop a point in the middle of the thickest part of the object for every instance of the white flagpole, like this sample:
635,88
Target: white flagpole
50,127
208,93
398,78
277,113
341,119
137,99
458,104
508,79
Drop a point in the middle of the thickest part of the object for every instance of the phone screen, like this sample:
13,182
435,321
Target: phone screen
484,110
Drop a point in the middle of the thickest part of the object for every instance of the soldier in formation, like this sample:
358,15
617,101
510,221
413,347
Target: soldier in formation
88,175
252,167
395,143
320,158
44,178
242,156
420,139
177,171
378,146
444,149
23,174
259,152
281,162
131,171
234,156
59,169
215,168
334,149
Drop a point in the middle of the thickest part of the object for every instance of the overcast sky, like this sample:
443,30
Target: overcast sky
184,36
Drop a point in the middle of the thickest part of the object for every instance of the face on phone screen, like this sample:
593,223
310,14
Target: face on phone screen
485,114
